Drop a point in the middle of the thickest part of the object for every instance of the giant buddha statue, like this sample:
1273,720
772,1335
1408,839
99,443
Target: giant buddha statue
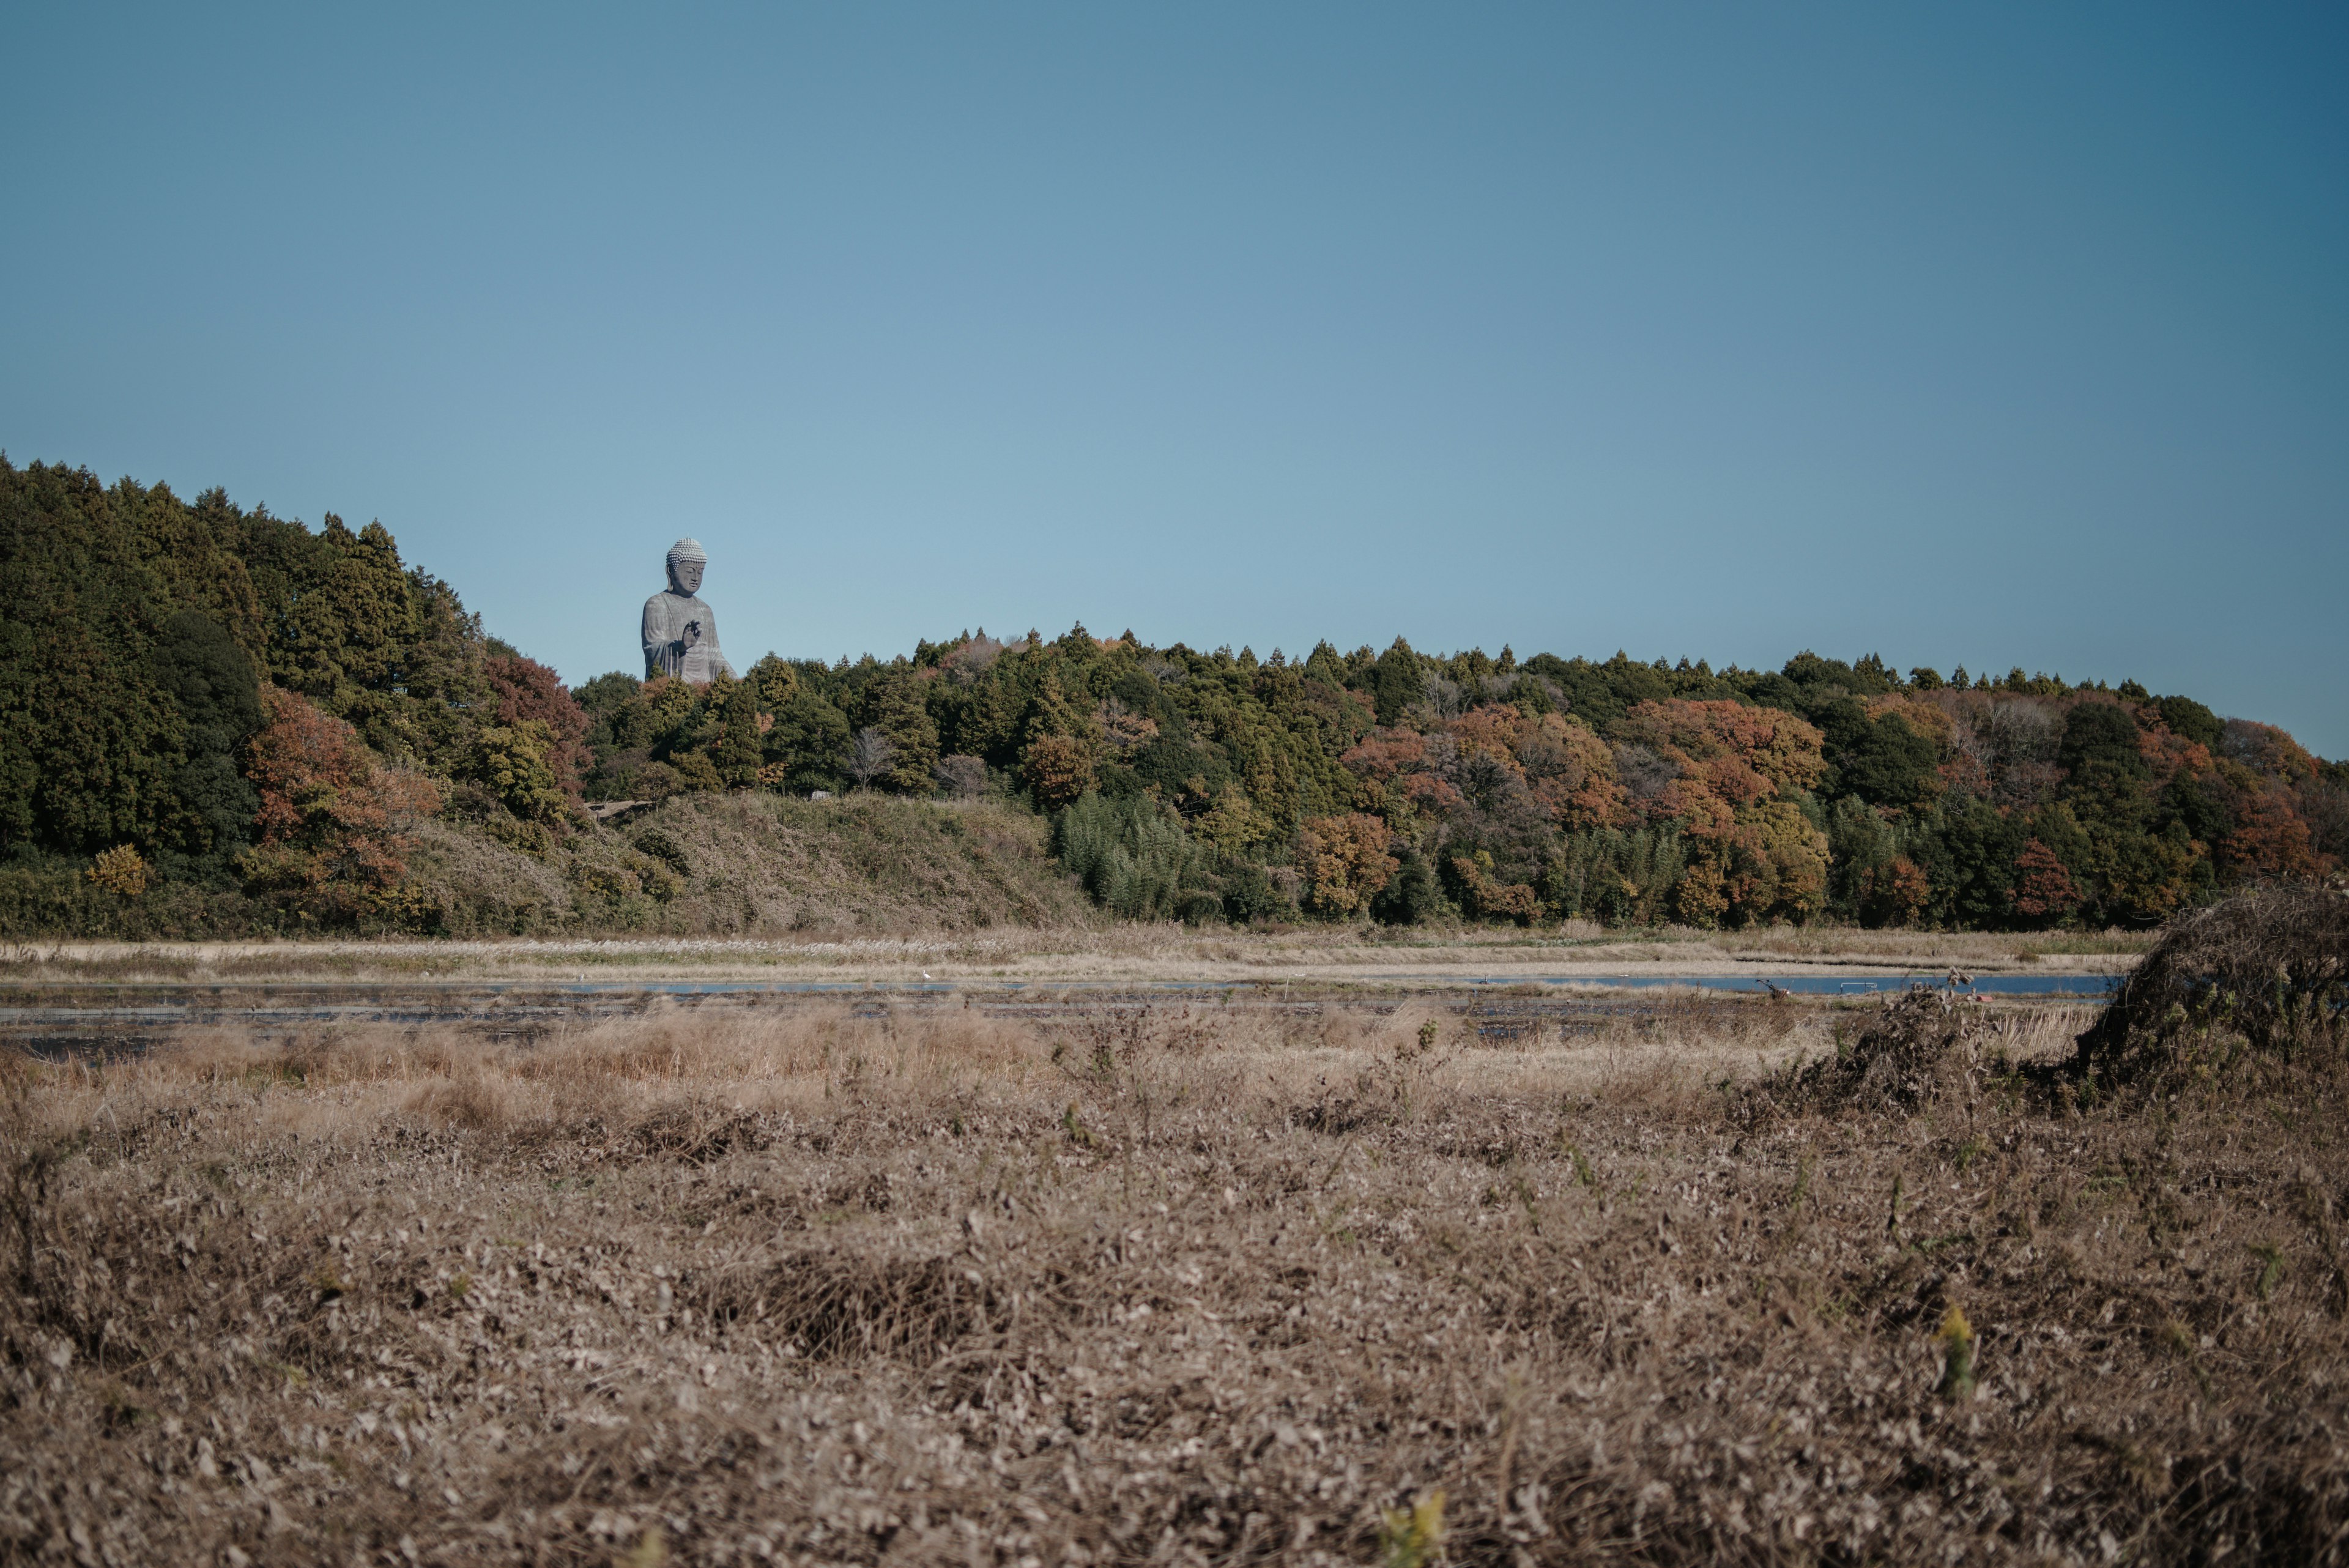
680,634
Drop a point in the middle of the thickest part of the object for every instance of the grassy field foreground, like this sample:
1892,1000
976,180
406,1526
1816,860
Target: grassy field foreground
1200,1285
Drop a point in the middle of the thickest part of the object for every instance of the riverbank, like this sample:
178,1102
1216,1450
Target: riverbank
1153,955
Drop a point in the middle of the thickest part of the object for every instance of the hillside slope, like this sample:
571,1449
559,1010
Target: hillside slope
699,864
711,864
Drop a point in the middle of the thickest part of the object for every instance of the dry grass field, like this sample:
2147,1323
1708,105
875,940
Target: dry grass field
1127,953
1197,1284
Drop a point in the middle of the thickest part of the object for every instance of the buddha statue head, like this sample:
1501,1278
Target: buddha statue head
686,560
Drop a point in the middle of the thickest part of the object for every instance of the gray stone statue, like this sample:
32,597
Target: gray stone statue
680,634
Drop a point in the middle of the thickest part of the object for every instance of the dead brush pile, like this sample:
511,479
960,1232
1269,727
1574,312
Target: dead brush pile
1921,1045
2264,974
796,1285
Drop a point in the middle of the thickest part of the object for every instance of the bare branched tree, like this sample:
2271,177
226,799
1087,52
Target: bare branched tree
870,756
964,778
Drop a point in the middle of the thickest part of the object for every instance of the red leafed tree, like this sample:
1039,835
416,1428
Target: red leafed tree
332,818
1384,753
525,689
2270,840
2043,890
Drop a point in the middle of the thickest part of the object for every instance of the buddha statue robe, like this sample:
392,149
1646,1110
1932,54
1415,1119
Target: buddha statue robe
680,632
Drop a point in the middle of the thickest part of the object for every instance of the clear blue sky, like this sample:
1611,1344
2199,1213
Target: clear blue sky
1965,334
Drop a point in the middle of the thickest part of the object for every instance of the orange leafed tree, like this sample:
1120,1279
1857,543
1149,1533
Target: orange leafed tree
1734,753
1564,763
1494,730
2168,754
1347,859
332,817
1895,894
1383,753
1731,766
1059,769
1572,773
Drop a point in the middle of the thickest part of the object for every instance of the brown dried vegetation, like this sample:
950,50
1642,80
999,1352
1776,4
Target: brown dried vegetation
2264,972
1173,1284
1923,1046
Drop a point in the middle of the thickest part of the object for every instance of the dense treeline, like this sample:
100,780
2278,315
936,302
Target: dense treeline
1403,784
231,720
222,713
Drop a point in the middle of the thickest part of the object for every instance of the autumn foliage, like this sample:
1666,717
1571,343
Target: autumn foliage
332,819
1345,860
1547,789
1059,768
2043,890
527,691
242,701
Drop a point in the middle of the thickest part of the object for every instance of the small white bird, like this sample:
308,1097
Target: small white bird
925,974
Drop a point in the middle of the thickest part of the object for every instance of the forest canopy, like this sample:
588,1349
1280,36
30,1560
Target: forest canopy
261,716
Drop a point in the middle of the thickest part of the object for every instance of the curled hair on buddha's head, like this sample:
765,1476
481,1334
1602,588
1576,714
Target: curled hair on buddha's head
687,560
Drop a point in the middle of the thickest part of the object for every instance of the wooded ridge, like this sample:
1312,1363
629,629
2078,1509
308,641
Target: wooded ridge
215,720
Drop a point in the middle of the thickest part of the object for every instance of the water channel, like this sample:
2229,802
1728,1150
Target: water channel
54,1020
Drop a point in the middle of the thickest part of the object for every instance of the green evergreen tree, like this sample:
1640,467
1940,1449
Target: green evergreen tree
1050,712
894,706
211,681
810,739
512,762
1397,682
737,752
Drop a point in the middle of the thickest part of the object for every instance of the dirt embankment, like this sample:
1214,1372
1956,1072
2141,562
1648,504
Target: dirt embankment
1087,951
